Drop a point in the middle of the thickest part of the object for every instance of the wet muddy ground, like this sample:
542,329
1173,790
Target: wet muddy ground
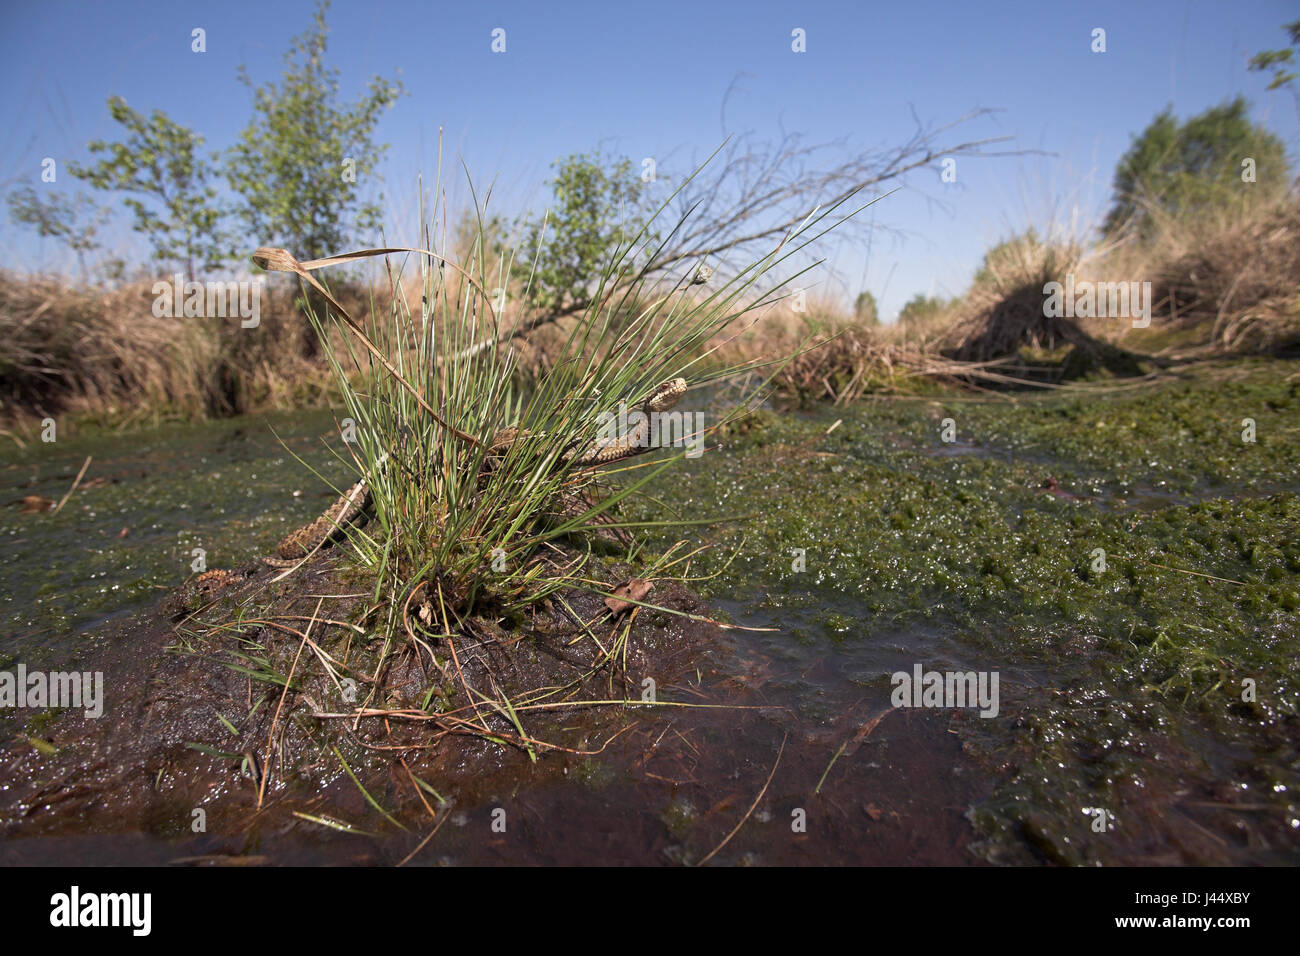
1147,708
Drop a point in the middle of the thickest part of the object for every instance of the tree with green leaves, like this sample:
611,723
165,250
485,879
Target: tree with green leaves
1279,62
596,210
864,309
1179,168
160,167
74,221
919,309
299,163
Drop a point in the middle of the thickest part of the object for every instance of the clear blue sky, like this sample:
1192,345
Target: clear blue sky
648,79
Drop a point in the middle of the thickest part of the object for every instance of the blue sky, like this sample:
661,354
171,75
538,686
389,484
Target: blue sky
649,80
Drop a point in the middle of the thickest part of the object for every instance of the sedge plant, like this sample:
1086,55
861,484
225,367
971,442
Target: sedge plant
462,520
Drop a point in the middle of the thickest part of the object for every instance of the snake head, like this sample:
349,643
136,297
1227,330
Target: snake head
666,395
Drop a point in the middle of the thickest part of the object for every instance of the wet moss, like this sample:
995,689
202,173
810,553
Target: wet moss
150,507
1125,559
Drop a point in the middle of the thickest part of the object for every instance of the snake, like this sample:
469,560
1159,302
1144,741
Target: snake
303,542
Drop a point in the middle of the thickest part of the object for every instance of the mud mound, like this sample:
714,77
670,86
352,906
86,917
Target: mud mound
199,735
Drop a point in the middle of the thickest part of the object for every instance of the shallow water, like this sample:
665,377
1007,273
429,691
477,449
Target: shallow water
149,499
1121,735
1121,688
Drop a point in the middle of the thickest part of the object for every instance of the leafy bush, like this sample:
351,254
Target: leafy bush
1180,168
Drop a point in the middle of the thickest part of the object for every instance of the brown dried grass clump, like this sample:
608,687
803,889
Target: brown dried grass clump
856,362
838,359
1235,275
1002,320
844,366
67,349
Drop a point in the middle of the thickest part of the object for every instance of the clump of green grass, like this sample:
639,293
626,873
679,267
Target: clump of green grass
467,531
427,386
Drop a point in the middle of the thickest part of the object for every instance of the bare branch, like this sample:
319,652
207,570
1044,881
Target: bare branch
756,192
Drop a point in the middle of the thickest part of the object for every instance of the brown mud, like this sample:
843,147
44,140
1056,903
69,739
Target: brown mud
190,710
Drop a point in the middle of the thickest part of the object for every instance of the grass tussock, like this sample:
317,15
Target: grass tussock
463,520
469,531
1230,282
104,353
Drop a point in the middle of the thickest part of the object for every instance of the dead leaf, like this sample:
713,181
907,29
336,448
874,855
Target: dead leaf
635,588
32,504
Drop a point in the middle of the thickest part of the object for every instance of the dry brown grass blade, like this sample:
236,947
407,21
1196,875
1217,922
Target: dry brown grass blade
752,807
81,474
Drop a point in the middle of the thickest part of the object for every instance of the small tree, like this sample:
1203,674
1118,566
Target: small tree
596,210
864,309
160,167
1179,168
920,309
1279,61
299,162
73,221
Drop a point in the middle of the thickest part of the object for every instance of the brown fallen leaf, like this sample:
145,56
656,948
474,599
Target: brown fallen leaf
635,588
124,532
33,504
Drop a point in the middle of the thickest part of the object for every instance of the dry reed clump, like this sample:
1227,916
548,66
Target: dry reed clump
834,358
924,331
856,361
1236,276
845,365
1002,320
65,349
825,354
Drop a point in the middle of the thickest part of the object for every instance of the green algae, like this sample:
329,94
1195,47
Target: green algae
153,507
1123,557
